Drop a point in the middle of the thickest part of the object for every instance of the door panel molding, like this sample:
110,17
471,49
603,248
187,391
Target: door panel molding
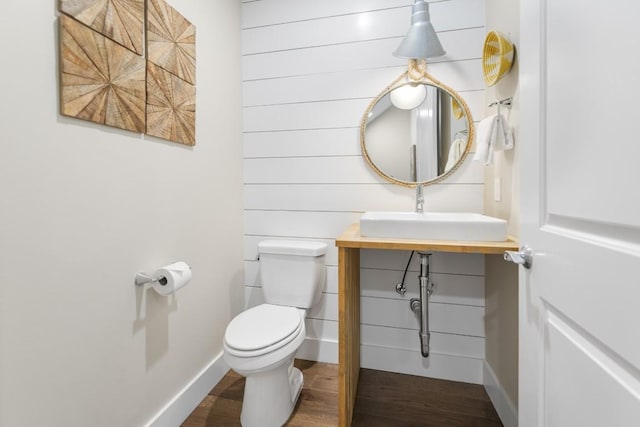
581,370
617,237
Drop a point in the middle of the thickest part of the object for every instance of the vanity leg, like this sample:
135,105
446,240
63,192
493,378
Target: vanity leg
348,332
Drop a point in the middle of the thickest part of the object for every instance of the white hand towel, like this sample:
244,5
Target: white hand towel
504,135
493,134
485,136
455,152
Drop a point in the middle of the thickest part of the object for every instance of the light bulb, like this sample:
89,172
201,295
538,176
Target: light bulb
408,96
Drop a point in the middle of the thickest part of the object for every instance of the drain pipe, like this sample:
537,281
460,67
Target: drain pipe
420,306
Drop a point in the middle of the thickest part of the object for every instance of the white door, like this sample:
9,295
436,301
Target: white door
579,154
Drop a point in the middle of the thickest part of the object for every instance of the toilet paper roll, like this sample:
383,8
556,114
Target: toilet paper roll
171,278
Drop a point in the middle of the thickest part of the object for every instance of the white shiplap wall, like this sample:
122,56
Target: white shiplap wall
310,68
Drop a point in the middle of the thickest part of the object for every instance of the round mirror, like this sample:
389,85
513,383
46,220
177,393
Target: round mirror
416,132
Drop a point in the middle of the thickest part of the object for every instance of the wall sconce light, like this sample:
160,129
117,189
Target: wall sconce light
421,41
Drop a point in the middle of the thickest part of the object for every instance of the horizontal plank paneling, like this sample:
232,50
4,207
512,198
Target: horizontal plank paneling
443,318
262,13
465,369
303,143
310,69
326,309
327,170
325,114
407,339
319,87
331,286
448,288
461,45
475,101
323,225
461,76
466,288
440,262
445,16
362,197
309,170
313,115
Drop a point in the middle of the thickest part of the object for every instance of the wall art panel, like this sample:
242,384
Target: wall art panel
171,106
120,20
101,81
171,40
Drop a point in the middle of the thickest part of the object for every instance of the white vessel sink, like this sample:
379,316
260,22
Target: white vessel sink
458,226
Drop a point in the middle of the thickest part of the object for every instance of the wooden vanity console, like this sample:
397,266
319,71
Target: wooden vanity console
349,245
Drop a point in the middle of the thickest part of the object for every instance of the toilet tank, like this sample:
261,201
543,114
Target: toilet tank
292,272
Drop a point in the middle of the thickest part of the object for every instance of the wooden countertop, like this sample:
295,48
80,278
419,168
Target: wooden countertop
351,238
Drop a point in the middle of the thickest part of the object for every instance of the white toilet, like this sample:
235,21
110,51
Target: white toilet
260,343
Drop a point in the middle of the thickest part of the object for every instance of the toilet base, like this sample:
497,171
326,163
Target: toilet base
269,397
296,381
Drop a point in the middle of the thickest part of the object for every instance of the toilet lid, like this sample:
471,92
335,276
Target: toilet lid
262,326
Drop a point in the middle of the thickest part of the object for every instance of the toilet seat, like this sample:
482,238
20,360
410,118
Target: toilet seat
263,329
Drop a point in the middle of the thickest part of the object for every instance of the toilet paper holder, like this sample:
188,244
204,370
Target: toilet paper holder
143,279
166,280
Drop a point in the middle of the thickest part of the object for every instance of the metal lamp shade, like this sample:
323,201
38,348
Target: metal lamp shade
421,41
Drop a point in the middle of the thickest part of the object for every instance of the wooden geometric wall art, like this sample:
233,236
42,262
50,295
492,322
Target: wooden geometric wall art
101,81
120,20
171,40
105,79
171,106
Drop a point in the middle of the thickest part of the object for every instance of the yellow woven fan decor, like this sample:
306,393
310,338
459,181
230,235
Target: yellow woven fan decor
457,109
497,57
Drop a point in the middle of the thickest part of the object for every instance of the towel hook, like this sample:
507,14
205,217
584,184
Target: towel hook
507,102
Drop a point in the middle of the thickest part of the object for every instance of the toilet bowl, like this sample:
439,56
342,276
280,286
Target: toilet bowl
260,343
273,384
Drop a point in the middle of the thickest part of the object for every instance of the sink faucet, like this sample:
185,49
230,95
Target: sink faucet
419,199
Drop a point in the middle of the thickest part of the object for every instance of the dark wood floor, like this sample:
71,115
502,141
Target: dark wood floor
384,400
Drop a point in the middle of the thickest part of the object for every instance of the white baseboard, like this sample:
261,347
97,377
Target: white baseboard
325,351
179,408
507,411
403,361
